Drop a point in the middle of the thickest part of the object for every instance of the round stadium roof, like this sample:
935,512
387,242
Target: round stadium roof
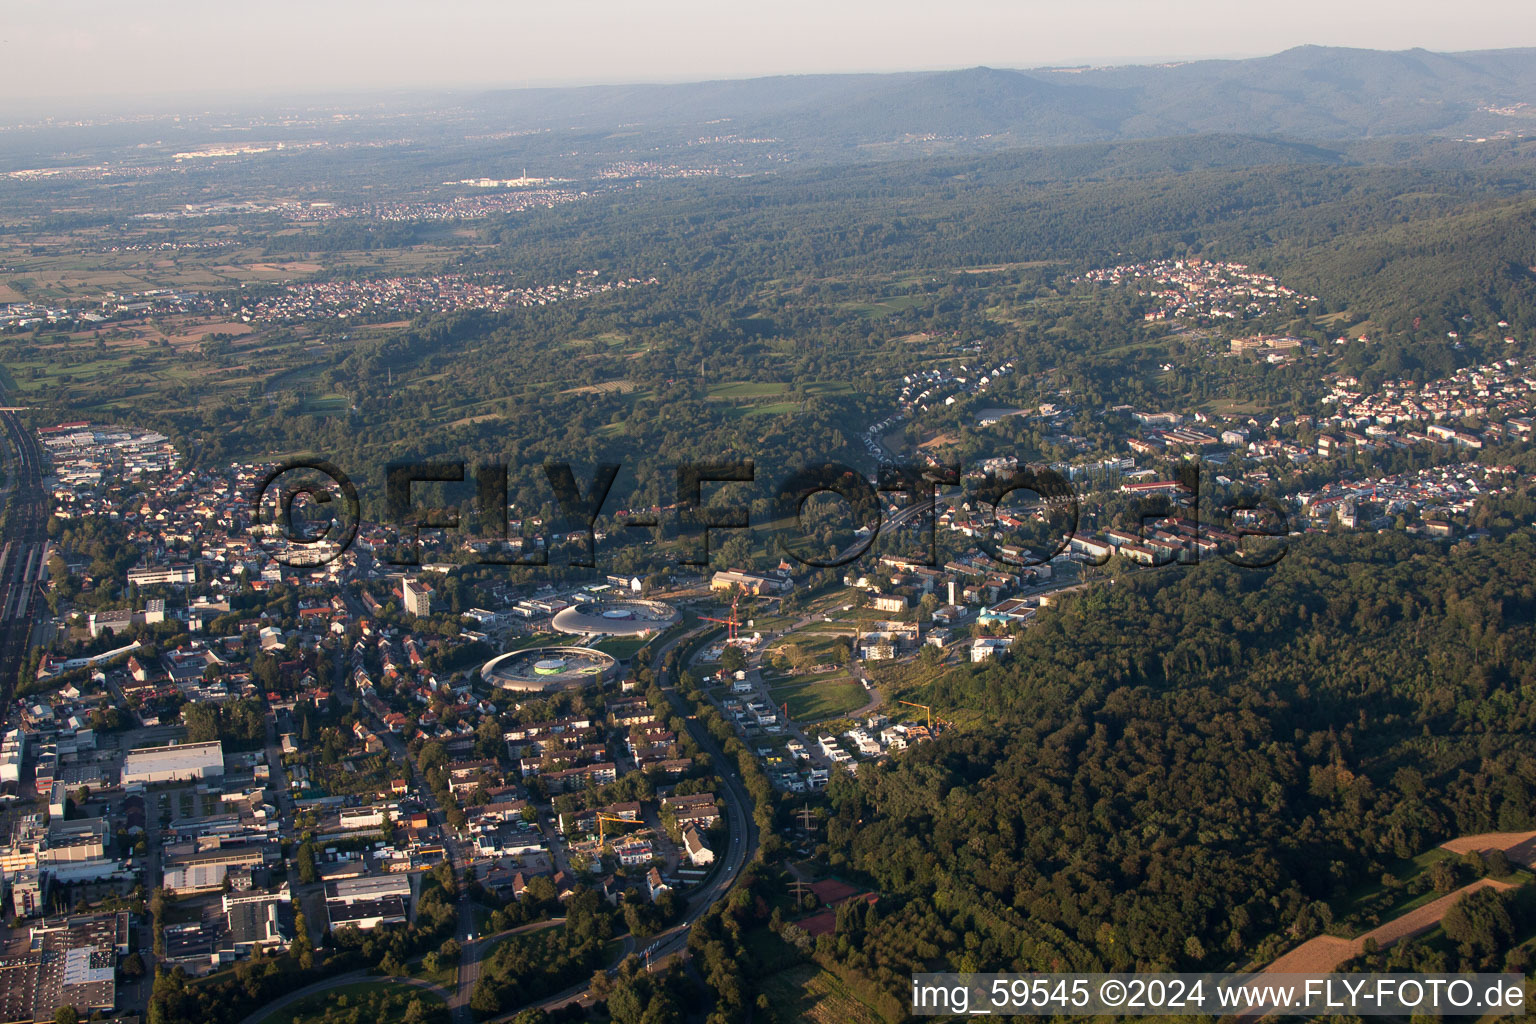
545,669
615,618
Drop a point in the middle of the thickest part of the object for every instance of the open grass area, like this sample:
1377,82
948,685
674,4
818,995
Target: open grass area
816,698
1372,903
773,409
884,307
447,975
129,367
853,616
770,623
325,405
771,398
113,371
536,640
544,939
747,389
623,647
372,1000
817,642
66,270
606,341
808,993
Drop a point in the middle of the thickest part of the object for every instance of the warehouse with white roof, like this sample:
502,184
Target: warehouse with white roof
178,762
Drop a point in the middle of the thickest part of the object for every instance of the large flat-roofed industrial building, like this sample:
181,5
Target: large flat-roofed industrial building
368,902
73,964
203,870
179,762
372,887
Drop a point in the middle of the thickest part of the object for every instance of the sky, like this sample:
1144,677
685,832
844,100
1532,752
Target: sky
72,55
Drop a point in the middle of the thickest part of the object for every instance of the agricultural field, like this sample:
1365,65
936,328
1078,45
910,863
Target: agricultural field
1411,890
79,267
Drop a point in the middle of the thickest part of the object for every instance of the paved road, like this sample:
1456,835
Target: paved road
738,810
475,952
458,1001
673,941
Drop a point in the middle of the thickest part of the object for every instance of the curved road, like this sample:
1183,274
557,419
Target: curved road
350,978
454,1000
475,952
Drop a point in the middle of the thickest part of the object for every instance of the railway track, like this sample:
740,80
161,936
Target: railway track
21,558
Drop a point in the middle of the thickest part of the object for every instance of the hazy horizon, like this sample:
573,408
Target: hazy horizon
75,57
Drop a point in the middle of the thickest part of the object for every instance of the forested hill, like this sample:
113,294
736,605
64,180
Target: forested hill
1207,752
1307,92
801,280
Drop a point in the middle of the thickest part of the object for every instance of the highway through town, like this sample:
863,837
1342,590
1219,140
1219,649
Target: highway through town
739,818
729,861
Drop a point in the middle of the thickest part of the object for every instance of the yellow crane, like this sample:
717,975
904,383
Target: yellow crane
601,835
925,707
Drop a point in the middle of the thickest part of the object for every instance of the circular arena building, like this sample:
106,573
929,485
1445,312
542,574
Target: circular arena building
547,669
615,618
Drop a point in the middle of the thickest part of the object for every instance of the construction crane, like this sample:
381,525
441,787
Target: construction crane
925,707
601,835
731,623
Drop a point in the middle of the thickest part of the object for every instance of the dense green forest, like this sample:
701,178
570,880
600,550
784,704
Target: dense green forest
1190,768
